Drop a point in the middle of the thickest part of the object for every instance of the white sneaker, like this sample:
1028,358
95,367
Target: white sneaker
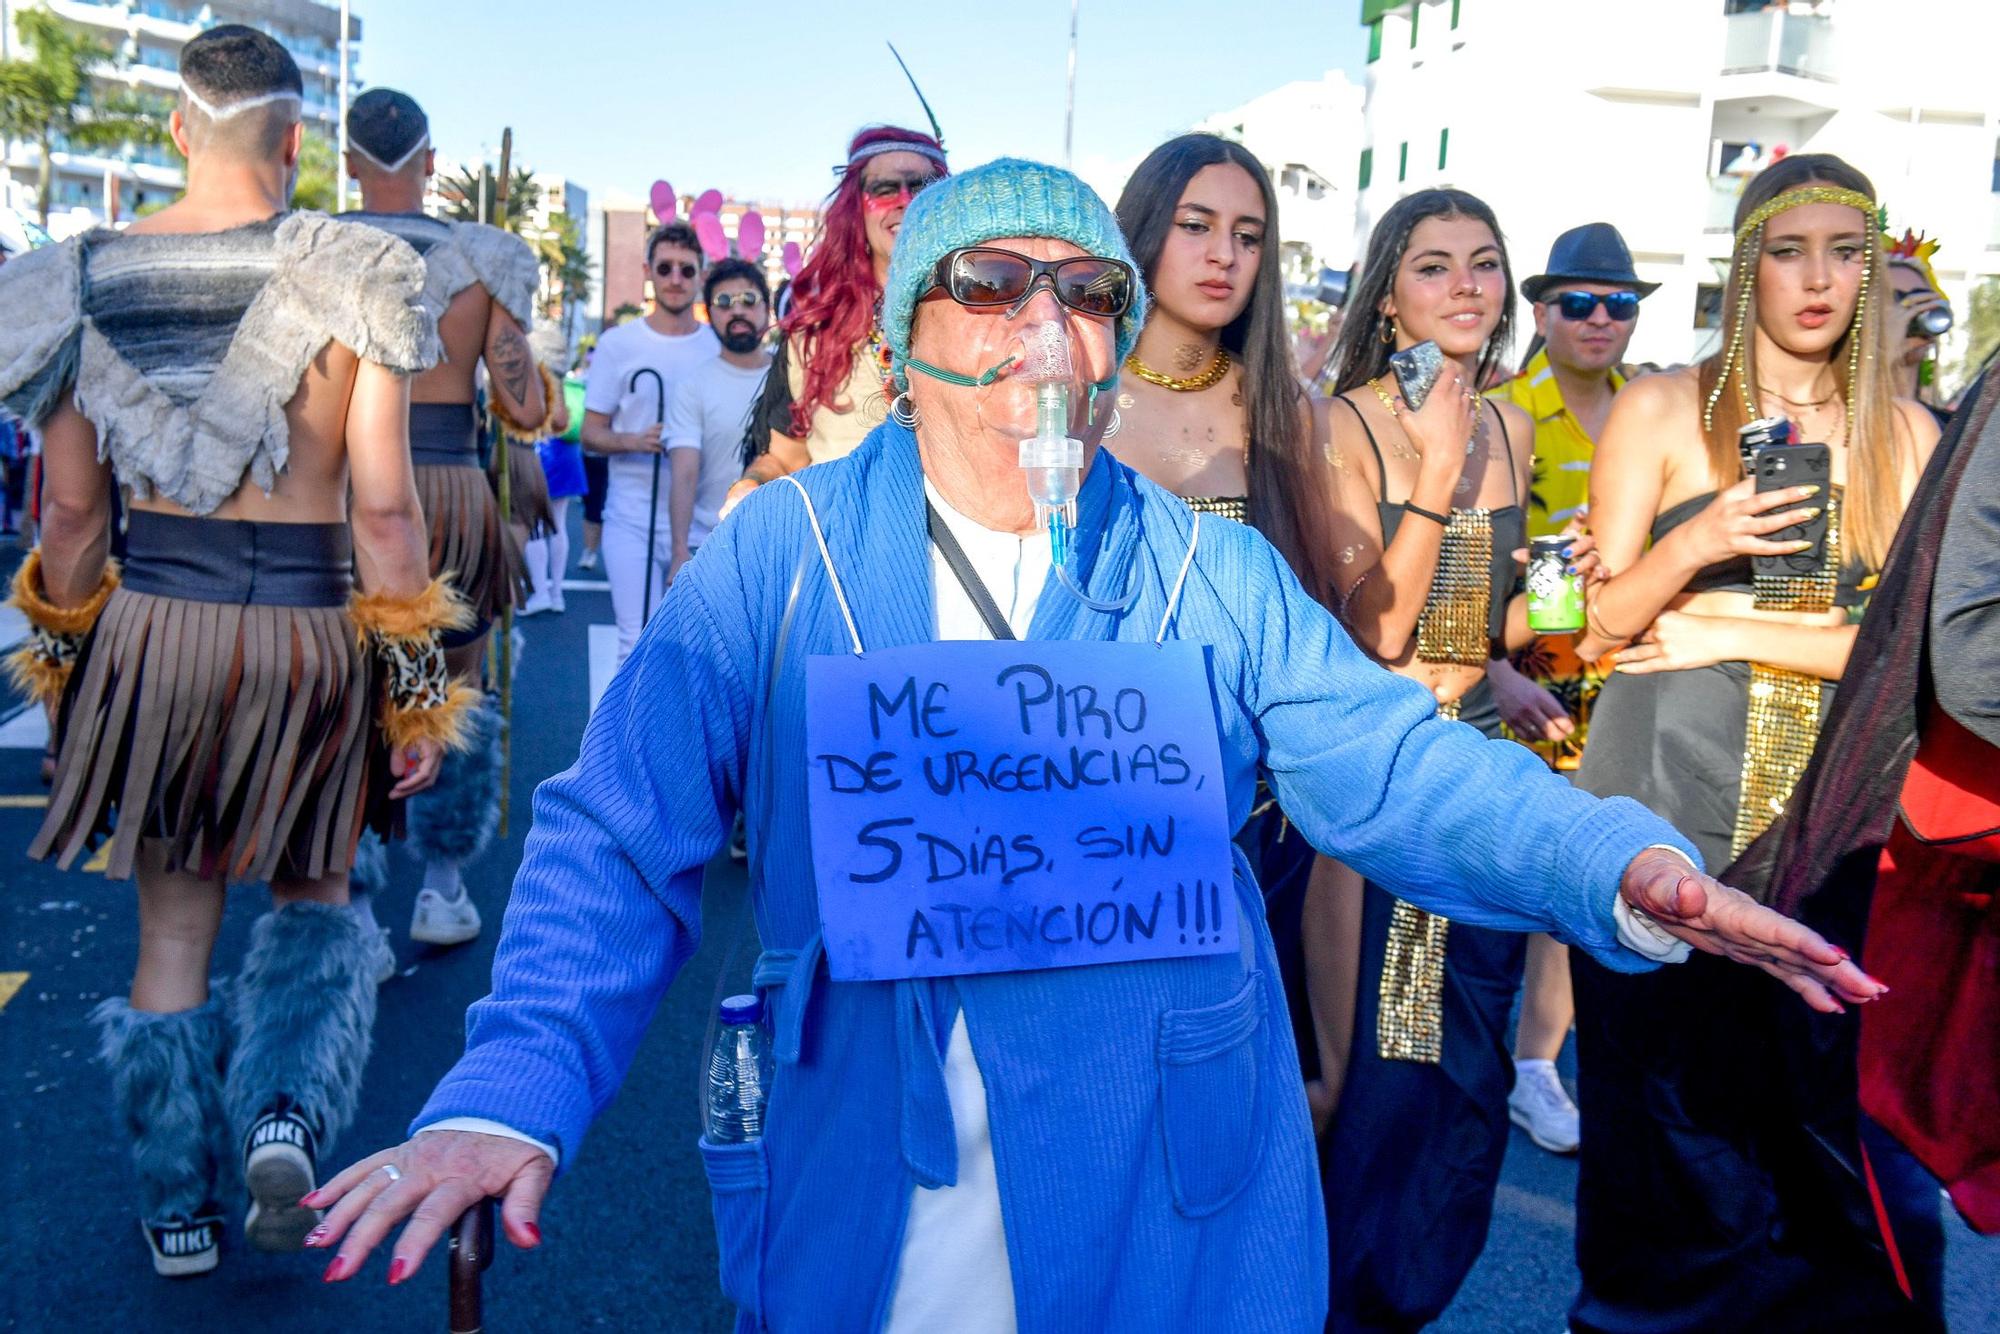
1541,1106
536,604
556,599
588,560
442,921
382,957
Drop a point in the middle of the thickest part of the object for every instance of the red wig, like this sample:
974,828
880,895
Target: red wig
834,295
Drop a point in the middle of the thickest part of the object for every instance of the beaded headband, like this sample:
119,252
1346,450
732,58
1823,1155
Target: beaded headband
1749,244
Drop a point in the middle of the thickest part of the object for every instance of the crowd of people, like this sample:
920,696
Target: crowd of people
1433,817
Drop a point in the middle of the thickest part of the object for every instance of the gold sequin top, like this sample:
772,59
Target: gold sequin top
1229,507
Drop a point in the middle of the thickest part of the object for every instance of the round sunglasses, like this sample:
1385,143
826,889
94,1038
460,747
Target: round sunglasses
1620,306
736,300
982,276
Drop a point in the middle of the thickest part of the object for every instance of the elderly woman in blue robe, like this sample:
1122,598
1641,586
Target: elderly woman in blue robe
1118,1145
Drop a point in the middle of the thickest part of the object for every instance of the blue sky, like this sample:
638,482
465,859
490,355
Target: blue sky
757,100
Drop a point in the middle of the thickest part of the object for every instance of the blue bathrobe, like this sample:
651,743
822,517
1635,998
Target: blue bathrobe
1155,1157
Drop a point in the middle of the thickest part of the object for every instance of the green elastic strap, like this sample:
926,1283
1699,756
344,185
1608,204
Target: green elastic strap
991,374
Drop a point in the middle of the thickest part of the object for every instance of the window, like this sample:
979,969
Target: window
1403,162
1375,41
1444,147
1367,168
1416,12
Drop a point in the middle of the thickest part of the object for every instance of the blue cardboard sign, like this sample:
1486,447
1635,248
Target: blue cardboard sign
981,806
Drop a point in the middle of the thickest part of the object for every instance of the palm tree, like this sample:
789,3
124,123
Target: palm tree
47,99
318,184
468,188
565,264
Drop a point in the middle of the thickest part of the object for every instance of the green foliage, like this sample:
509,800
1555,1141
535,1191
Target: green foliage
1982,330
48,97
565,263
318,185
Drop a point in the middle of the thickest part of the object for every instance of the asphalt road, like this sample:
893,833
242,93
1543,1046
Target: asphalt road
628,1242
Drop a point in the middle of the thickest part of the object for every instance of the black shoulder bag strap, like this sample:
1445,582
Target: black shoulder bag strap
968,578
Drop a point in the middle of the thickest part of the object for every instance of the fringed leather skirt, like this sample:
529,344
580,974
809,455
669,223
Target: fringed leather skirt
222,708
467,537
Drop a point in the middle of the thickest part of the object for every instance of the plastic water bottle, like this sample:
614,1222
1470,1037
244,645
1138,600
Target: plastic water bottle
739,1073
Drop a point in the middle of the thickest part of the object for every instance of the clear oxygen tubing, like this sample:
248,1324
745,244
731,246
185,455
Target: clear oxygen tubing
1052,458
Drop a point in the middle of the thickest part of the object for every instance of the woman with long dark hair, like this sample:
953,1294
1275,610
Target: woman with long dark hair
1428,512
1695,1203
1211,407
824,392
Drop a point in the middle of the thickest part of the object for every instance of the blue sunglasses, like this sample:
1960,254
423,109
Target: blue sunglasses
1620,306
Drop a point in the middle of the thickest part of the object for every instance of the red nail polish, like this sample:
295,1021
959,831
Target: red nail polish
399,1269
534,1233
306,1200
336,1270
1844,955
316,1236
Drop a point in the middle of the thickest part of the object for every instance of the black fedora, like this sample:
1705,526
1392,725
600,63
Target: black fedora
1592,253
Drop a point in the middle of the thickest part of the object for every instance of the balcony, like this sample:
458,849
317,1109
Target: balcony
1773,41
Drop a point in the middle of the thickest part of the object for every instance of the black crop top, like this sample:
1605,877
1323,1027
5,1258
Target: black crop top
1734,575
1510,526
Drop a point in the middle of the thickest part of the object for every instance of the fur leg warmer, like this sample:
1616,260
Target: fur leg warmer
369,873
454,820
166,1083
303,1010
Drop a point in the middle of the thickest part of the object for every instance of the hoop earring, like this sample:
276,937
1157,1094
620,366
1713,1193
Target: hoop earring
903,411
1389,332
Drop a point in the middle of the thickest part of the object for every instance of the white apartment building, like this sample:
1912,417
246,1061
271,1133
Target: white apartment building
146,37
1307,135
1650,114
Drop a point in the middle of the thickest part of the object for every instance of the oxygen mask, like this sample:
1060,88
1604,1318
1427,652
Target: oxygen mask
1051,457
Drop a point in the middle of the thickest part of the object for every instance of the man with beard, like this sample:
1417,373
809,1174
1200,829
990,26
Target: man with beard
704,433
632,379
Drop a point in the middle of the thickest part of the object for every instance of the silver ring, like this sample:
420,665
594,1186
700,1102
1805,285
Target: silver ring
394,1175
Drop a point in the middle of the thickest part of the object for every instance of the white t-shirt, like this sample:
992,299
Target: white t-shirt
710,407
622,353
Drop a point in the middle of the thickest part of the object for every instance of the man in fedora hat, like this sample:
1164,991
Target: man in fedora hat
1586,307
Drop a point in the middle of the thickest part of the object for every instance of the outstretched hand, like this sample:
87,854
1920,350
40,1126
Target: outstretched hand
1716,919
430,1181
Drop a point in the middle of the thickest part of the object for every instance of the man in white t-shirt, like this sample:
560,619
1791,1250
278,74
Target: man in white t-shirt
713,401
632,380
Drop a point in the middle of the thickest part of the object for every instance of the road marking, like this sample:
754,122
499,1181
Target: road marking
24,802
100,861
10,983
586,586
603,660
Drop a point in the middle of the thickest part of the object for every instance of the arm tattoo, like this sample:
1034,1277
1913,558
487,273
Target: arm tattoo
512,367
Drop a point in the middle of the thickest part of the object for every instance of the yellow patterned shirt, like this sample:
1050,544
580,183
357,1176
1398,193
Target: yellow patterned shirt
1559,488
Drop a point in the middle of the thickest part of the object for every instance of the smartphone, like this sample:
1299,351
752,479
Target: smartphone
1417,370
1779,466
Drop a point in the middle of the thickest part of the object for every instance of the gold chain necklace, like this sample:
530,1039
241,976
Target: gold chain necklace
1208,379
1796,403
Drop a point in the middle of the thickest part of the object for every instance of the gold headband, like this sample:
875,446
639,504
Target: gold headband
1799,197
1749,238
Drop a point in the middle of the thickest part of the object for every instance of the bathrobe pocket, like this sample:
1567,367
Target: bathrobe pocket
739,1184
1211,1098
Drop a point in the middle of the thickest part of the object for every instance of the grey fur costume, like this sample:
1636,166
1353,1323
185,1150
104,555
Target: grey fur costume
166,1084
454,820
193,433
302,1011
458,254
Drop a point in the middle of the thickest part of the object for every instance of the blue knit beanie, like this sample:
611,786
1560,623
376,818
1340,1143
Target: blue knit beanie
1009,197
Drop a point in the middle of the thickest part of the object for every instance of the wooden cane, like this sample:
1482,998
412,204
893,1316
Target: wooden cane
471,1255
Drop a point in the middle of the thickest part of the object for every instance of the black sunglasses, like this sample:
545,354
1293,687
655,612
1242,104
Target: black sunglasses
987,276
665,269
737,300
888,187
1620,306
